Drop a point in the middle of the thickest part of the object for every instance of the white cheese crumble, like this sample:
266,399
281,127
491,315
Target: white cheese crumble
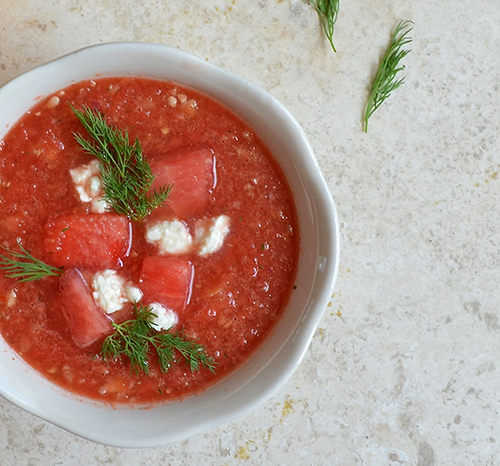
111,291
88,185
173,237
165,318
210,234
170,237
133,294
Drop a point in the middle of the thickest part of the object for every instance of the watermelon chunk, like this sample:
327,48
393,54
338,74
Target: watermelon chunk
87,241
192,175
166,280
86,321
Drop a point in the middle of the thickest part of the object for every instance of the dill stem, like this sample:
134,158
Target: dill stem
385,79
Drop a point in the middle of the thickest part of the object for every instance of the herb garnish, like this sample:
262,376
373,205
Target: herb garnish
134,339
385,80
26,268
126,176
328,11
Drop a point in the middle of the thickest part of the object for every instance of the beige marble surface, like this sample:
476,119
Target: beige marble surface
404,367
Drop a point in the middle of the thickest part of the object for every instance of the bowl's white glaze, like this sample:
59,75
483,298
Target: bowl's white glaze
280,356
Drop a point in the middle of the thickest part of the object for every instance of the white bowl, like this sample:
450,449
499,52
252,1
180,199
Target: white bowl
280,356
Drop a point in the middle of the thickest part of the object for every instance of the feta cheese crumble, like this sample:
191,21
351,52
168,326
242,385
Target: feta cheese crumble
165,318
111,291
170,237
173,237
210,234
88,185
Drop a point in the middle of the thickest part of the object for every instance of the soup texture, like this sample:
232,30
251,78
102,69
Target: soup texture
216,263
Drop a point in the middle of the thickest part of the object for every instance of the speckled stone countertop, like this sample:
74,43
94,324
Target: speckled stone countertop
403,369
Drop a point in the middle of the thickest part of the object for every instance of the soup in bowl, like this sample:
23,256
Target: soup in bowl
181,242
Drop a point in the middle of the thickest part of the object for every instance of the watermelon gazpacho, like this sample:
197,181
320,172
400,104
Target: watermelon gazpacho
206,255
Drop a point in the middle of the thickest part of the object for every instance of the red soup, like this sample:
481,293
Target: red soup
216,263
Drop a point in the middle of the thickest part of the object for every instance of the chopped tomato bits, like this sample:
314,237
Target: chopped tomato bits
191,174
166,280
86,321
91,241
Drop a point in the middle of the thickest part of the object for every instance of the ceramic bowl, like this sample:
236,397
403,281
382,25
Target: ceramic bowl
281,354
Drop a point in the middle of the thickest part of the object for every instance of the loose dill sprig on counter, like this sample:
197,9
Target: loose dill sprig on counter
26,268
126,176
328,11
385,80
135,338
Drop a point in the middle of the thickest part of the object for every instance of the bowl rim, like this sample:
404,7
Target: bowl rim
292,352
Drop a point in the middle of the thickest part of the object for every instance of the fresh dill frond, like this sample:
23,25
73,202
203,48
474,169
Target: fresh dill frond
328,11
137,338
126,176
385,80
26,268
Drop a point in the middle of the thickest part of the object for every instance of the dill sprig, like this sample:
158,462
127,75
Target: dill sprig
328,11
26,268
126,175
135,338
385,80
